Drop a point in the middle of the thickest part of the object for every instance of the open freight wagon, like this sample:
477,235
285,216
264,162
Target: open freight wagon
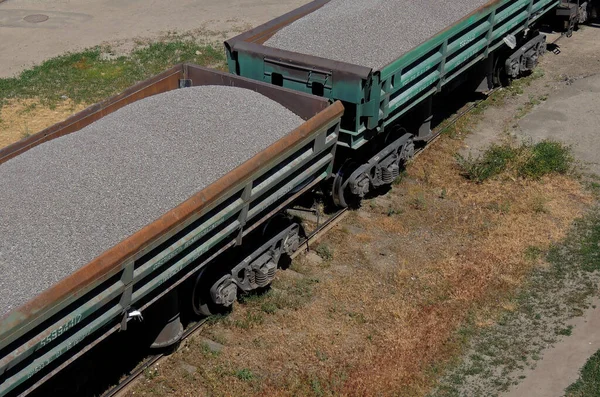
56,327
493,39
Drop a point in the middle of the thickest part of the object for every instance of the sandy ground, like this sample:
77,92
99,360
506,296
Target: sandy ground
573,116
77,24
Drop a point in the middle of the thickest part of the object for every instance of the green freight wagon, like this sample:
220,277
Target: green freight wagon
56,327
375,98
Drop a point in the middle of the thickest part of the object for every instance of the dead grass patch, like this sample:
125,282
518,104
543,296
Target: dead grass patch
20,118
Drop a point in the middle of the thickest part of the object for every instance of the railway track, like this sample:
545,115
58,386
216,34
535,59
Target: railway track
311,238
150,361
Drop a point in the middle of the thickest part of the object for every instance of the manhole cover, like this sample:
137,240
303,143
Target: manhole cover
36,18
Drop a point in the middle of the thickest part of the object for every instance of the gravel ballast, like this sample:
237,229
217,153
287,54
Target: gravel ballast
370,33
66,201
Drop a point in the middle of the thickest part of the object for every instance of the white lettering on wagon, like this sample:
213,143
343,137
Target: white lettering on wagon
58,353
61,330
466,41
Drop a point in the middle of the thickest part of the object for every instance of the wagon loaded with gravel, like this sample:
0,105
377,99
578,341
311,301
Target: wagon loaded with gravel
106,216
385,60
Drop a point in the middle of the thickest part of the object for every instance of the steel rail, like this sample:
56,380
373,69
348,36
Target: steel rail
149,362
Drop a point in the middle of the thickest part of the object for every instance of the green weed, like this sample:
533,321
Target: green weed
533,253
325,252
526,161
546,157
89,76
250,320
567,331
419,202
588,384
284,295
493,162
400,178
244,374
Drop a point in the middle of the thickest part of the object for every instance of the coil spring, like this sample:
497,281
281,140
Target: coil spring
252,276
389,174
531,62
265,274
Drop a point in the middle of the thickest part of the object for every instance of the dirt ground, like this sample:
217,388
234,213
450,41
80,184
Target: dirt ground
19,119
561,105
572,115
78,24
578,58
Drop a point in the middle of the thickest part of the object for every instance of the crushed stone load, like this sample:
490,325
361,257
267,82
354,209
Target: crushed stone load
370,33
68,200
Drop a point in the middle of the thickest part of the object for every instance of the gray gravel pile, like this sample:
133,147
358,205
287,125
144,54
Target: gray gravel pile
370,33
68,200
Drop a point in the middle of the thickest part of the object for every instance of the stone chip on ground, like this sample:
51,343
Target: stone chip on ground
70,199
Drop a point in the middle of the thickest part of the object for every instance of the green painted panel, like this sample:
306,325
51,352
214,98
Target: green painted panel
399,86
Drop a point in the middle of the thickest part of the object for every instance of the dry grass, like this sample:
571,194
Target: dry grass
20,118
409,270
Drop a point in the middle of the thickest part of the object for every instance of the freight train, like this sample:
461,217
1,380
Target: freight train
361,123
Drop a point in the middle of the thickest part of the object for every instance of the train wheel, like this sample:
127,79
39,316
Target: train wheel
500,77
342,196
212,294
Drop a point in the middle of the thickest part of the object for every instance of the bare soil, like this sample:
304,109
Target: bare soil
560,365
21,118
577,58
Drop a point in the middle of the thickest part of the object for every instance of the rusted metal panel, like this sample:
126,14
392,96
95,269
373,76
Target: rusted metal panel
302,104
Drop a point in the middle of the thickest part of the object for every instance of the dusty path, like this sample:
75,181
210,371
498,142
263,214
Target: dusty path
571,115
560,364
579,58
76,24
